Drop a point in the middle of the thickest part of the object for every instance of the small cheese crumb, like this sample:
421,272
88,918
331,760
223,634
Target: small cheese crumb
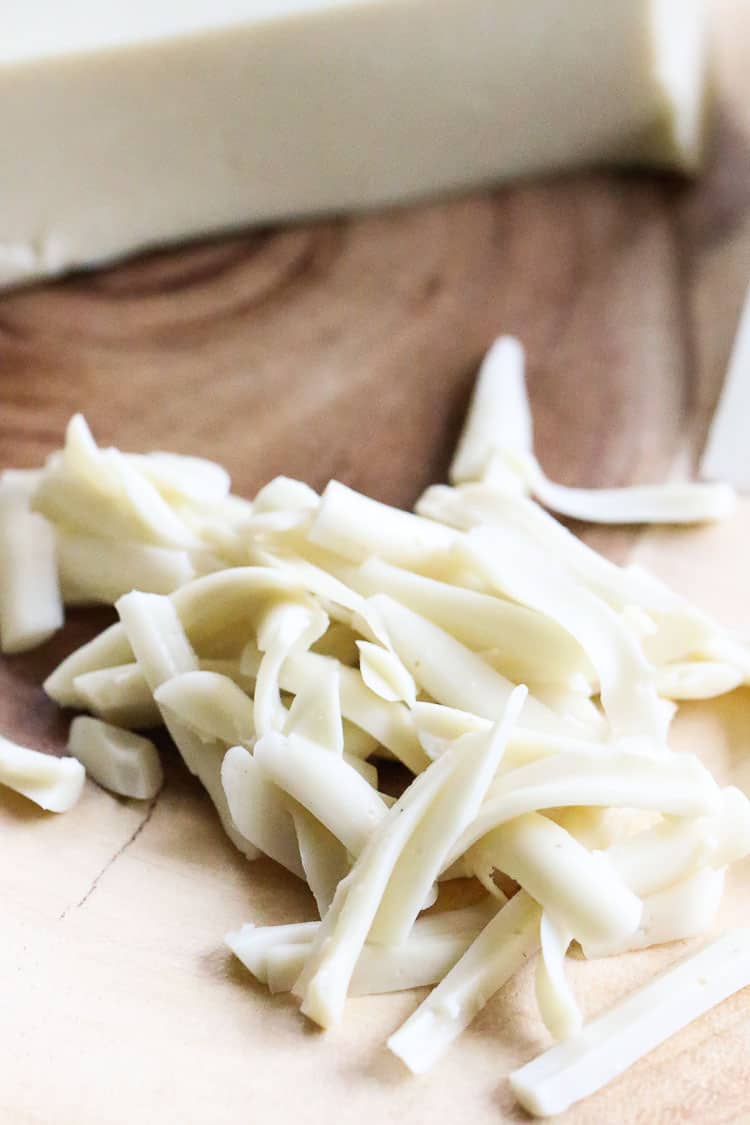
55,784
116,759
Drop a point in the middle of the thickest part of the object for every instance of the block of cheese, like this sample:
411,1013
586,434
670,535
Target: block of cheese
125,126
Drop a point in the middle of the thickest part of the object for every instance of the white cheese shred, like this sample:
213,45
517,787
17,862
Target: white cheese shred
627,683
54,784
499,416
528,647
674,503
325,860
479,756
497,445
116,759
389,723
31,607
422,960
580,889
285,628
557,1004
210,704
356,528
162,650
680,911
325,784
118,695
275,955
258,811
315,713
503,946
616,1040
675,784
93,569
450,672
109,649
179,478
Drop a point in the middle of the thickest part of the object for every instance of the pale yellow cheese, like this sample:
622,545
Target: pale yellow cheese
134,124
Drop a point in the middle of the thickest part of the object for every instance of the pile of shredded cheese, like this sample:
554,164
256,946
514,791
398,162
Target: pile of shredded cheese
293,643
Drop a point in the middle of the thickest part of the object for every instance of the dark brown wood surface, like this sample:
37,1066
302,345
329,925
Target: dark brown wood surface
348,348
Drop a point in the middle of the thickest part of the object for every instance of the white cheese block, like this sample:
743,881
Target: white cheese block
130,125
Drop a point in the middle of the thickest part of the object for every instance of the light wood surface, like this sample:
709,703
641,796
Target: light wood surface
348,349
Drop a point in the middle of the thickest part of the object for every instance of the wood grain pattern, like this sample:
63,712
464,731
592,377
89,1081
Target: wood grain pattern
348,349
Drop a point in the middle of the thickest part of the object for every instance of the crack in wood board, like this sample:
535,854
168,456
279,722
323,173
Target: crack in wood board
113,859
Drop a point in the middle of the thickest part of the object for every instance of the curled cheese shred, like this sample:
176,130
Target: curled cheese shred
674,503
285,628
499,416
389,723
675,784
327,785
497,442
385,675
579,888
219,611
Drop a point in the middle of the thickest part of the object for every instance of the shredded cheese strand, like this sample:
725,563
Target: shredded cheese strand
608,1045
554,996
54,784
503,946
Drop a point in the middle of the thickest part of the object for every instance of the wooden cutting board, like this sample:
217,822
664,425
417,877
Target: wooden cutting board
348,349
